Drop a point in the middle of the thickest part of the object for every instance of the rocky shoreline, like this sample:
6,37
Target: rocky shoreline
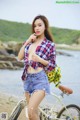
68,47
8,55
9,52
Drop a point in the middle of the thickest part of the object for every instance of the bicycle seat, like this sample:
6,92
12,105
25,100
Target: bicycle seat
65,89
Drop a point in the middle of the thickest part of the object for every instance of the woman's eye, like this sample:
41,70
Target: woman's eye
39,25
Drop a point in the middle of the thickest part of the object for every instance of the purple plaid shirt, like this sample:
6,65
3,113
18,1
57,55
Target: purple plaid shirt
45,50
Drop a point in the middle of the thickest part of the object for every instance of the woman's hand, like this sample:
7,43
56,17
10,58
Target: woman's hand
36,58
32,38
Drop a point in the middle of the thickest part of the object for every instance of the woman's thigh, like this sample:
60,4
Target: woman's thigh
35,99
27,95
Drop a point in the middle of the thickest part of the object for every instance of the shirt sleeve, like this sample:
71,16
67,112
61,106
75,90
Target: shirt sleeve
52,58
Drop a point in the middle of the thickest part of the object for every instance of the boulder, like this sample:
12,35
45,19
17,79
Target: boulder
7,58
13,47
10,47
3,45
9,62
3,52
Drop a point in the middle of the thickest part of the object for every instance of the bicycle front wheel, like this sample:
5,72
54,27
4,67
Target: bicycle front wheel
71,112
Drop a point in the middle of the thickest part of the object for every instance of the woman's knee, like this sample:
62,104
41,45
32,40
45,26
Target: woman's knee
32,112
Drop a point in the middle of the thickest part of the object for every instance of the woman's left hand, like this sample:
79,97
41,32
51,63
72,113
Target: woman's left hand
35,57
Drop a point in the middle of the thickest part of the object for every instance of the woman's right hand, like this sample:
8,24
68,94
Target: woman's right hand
32,38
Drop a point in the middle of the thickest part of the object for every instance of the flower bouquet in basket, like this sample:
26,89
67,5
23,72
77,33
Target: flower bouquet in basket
54,76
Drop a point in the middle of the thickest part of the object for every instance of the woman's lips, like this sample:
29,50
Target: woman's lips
37,32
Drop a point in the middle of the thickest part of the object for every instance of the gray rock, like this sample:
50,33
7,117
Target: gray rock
3,52
9,62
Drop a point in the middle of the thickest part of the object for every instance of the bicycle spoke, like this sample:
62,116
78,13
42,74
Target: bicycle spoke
71,113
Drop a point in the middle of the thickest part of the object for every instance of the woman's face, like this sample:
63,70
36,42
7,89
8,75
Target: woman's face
39,27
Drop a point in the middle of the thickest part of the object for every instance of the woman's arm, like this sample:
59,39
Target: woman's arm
21,52
52,59
44,62
49,64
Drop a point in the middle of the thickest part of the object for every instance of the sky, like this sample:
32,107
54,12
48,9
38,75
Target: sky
59,15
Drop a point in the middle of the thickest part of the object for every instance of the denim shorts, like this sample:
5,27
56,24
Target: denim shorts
36,81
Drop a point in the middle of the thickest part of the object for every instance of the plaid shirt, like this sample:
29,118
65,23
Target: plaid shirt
45,50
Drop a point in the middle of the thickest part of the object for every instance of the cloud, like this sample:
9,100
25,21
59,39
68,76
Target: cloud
59,15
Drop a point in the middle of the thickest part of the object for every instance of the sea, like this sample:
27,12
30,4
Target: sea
69,62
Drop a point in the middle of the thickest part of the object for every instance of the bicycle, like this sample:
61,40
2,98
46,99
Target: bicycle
69,112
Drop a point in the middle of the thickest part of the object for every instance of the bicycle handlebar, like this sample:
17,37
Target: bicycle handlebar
65,89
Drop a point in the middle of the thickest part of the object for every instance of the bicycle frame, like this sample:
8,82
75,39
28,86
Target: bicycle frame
51,111
21,104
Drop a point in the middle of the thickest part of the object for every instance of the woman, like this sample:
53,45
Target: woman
39,56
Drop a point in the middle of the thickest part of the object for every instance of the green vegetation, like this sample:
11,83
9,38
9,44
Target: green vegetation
14,31
65,36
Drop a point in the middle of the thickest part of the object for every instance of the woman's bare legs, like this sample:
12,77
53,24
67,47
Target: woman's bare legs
33,103
27,95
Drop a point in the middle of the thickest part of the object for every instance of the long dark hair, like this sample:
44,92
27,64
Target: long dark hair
47,32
